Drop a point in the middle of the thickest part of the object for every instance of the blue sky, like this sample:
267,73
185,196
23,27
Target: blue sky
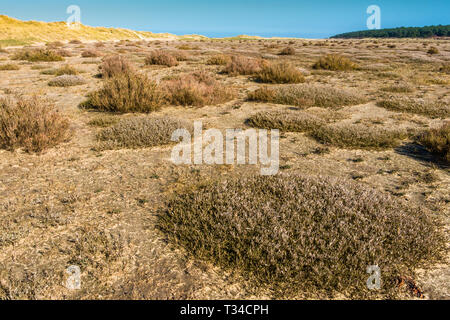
300,18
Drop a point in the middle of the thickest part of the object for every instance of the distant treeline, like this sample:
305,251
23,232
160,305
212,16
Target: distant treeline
411,32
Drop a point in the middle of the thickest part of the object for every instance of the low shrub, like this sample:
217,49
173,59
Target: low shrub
9,67
398,88
432,109
287,121
437,141
66,81
433,50
126,93
445,68
279,73
303,235
115,66
91,53
288,51
241,65
335,62
358,136
159,57
219,60
197,89
35,55
306,95
31,124
140,132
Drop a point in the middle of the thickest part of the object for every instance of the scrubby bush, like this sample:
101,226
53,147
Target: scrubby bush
306,95
91,53
126,93
433,50
358,136
280,73
159,57
241,65
445,68
335,62
219,60
30,123
287,121
140,132
75,41
288,51
437,141
66,81
64,53
398,88
35,55
304,235
432,109
64,70
197,89
114,66
9,67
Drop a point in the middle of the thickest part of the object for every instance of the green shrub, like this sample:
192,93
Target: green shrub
335,62
302,235
280,73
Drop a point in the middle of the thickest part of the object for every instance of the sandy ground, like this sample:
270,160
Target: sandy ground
73,205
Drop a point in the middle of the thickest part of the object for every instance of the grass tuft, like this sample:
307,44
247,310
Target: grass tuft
335,62
36,55
280,73
437,141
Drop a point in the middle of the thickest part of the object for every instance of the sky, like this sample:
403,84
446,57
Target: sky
214,18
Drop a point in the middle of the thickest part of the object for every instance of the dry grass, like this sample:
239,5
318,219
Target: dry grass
35,55
287,121
115,66
398,88
31,124
280,73
359,136
66,81
197,89
437,141
335,62
64,70
298,234
417,106
162,58
140,132
9,67
241,65
445,68
126,93
306,95
433,50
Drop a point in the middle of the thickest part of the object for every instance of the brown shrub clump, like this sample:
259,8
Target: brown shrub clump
114,66
162,58
197,89
433,50
287,121
335,62
359,136
30,123
37,55
445,68
302,234
434,109
288,51
126,93
280,73
219,60
306,95
241,65
437,141
91,53
140,132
